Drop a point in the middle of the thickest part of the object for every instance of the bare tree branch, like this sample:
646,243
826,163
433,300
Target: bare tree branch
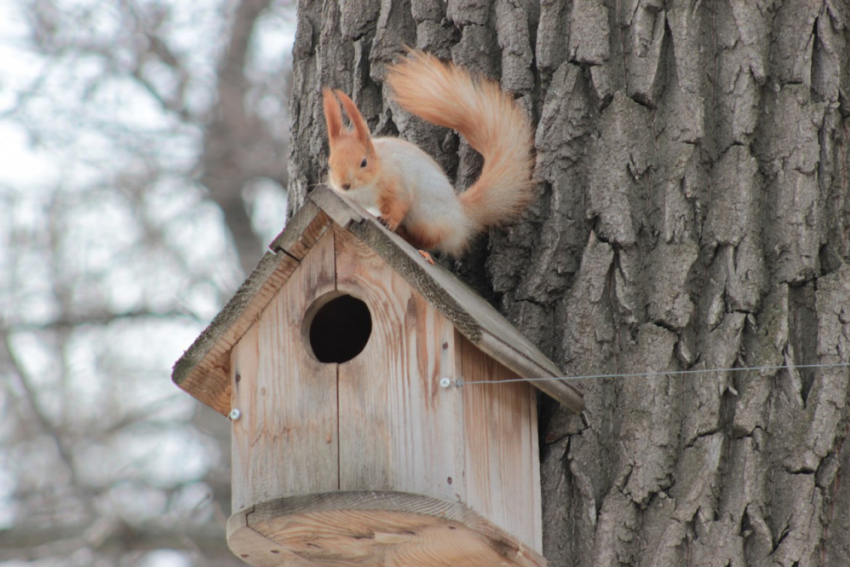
31,399
70,322
32,543
237,146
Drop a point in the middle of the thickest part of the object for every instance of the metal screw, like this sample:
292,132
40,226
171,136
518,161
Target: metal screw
445,382
234,414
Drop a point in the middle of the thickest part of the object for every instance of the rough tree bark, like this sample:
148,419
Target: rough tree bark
694,213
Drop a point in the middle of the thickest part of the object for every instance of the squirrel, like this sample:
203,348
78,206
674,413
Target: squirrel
404,187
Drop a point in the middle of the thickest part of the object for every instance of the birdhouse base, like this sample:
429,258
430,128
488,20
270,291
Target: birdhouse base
357,528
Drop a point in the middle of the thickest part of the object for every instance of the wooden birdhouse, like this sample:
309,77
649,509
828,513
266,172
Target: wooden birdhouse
372,423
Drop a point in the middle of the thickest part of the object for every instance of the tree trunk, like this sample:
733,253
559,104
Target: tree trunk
693,214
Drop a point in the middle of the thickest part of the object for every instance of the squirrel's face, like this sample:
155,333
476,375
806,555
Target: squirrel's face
353,162
352,165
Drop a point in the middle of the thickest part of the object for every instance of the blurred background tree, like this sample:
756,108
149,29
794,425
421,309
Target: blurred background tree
142,161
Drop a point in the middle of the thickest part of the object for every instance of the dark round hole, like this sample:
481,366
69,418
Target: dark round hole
340,329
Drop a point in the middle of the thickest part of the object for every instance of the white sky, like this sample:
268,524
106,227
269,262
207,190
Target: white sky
20,164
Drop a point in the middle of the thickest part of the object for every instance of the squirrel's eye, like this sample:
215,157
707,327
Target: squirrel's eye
363,163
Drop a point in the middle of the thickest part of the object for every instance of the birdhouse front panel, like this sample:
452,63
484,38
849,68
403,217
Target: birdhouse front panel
399,430
285,441
380,419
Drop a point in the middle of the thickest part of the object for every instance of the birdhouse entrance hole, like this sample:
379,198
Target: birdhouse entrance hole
338,328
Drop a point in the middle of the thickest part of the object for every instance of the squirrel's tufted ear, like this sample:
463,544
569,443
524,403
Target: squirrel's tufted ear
357,120
333,115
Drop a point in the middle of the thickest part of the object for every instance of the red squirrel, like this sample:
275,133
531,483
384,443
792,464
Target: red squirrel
404,187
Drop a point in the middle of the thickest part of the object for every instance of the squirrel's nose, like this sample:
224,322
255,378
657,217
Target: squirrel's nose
346,186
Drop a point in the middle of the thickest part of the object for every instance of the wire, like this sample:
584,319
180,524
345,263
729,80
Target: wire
659,373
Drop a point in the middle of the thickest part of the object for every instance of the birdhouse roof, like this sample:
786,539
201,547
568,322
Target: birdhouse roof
204,369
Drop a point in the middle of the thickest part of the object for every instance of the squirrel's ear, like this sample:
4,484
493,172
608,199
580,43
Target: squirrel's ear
357,120
333,115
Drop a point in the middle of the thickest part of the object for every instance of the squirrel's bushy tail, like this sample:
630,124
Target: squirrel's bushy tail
487,117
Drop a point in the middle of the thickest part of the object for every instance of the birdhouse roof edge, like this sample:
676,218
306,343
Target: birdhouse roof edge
207,355
203,370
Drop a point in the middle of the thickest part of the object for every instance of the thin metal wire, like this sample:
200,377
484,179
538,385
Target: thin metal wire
659,373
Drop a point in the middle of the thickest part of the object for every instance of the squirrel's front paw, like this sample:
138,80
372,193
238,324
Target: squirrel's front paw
392,225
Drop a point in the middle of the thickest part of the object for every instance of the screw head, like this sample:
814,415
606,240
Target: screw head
234,414
445,382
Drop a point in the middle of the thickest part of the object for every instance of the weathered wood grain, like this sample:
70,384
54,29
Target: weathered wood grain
342,211
204,369
305,227
375,528
380,421
399,429
502,464
256,549
286,441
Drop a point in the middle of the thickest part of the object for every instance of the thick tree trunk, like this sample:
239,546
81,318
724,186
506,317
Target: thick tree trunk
694,213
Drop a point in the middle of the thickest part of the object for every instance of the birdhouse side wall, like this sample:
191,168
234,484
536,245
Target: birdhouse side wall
502,456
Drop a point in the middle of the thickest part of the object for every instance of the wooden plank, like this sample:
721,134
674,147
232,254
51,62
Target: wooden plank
537,505
286,441
294,227
341,210
387,529
302,231
245,365
204,369
254,548
502,458
400,430
567,394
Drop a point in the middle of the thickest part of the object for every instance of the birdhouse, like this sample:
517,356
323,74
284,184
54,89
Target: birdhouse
379,412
